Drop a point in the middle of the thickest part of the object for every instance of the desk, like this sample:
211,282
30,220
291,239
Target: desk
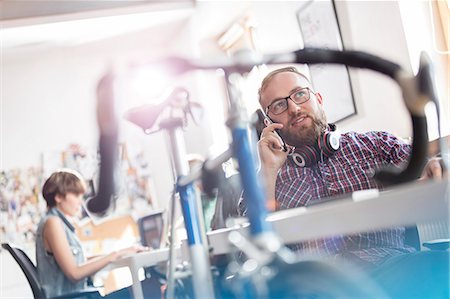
139,260
402,206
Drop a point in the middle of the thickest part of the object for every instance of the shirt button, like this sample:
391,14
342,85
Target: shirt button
370,172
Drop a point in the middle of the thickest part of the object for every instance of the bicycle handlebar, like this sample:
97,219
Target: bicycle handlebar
108,124
417,90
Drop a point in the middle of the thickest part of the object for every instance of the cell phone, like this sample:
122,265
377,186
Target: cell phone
264,121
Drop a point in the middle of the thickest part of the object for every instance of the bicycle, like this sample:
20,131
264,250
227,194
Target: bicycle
266,253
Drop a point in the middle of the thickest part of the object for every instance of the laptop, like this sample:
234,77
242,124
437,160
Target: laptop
151,229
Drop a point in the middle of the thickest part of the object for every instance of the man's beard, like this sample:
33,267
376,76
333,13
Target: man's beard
304,135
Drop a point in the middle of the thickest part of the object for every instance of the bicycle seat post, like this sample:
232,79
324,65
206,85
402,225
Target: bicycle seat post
202,279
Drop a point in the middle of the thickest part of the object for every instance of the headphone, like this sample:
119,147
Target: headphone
327,144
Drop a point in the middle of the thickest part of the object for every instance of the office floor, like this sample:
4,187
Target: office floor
13,284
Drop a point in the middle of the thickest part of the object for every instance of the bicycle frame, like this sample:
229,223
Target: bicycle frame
202,279
261,232
147,117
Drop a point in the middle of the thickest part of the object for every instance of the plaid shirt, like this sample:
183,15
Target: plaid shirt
349,169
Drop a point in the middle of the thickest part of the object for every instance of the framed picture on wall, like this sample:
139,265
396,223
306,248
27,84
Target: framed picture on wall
320,28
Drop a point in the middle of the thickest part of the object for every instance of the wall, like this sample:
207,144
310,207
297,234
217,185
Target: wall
378,100
382,28
422,37
48,100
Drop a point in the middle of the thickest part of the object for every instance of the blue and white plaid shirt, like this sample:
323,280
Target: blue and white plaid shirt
350,169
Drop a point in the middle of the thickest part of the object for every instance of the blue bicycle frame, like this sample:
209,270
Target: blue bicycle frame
242,148
202,280
242,151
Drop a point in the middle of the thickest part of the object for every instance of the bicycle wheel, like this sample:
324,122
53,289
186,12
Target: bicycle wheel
319,280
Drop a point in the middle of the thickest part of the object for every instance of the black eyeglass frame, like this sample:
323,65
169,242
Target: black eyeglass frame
289,98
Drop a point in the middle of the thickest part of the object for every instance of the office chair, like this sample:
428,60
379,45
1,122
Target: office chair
412,237
432,235
30,271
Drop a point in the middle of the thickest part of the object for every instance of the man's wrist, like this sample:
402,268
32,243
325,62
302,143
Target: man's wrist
269,172
272,204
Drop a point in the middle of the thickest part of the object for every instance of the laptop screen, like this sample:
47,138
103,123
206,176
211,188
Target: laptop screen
150,229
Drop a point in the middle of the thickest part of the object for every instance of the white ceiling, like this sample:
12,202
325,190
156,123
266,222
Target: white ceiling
161,25
20,10
69,29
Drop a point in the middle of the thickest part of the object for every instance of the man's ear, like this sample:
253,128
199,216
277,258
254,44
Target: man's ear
319,98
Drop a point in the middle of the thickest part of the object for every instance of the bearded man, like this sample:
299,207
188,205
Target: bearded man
322,163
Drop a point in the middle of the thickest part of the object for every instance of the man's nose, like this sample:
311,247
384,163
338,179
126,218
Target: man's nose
293,108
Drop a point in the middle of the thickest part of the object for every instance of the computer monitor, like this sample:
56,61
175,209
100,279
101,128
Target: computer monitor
150,229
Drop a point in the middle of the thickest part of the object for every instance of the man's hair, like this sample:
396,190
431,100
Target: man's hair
269,77
62,182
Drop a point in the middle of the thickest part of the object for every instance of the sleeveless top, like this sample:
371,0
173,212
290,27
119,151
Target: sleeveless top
52,278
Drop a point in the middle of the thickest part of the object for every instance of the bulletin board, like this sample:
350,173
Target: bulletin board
320,28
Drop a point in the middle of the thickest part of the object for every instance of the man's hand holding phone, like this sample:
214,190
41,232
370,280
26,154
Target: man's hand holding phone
273,156
271,148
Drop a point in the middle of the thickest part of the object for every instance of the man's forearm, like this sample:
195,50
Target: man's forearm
269,177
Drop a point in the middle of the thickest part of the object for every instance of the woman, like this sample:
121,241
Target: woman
62,267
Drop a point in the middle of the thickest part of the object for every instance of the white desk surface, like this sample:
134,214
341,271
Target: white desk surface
139,260
402,206
142,259
406,205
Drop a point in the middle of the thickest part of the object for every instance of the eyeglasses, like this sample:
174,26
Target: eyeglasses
299,96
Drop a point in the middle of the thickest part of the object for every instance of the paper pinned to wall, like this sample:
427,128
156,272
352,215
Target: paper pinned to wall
319,27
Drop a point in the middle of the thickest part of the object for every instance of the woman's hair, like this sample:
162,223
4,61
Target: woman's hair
62,182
